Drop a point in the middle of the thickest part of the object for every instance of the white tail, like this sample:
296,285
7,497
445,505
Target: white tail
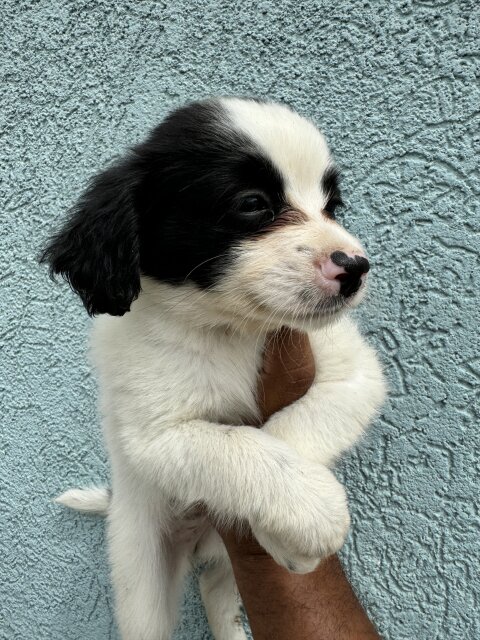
93,500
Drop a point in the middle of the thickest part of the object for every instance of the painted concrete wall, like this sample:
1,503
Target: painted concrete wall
395,87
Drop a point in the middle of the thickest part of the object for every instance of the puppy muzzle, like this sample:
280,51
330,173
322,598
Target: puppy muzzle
343,273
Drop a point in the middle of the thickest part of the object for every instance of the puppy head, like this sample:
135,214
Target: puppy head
235,198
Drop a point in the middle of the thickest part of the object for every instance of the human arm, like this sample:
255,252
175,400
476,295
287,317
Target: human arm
347,390
280,605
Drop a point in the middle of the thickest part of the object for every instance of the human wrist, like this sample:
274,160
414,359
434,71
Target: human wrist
320,605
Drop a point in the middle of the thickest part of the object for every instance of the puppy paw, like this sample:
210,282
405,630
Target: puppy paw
307,532
305,553
288,558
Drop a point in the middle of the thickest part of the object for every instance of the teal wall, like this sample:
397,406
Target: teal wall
394,86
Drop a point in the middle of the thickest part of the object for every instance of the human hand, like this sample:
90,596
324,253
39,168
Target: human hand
287,373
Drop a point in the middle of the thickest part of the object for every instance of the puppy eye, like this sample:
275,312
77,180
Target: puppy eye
254,203
331,207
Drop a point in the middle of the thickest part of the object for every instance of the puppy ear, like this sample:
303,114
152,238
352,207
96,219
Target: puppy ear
97,249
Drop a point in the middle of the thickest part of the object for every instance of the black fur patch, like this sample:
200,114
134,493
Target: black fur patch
172,209
97,250
198,170
331,188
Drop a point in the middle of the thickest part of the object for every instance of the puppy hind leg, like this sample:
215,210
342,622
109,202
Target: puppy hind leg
147,576
222,601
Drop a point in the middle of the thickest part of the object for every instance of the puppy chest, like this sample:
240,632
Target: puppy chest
179,377
223,385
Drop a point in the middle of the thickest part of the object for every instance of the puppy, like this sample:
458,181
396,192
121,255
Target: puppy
219,228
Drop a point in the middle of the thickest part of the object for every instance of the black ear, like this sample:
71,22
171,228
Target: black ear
97,249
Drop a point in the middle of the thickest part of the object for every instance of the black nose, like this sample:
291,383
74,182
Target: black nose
355,267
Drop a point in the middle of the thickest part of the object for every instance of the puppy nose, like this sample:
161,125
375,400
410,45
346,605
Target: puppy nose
347,269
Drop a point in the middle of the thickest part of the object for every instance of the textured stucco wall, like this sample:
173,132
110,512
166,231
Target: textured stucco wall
394,86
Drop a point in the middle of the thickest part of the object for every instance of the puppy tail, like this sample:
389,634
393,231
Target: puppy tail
93,500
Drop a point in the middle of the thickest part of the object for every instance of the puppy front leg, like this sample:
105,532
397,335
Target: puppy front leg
348,389
297,510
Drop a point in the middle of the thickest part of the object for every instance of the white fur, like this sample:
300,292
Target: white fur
178,376
170,392
93,500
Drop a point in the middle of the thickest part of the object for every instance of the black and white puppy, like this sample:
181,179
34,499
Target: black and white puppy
219,228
